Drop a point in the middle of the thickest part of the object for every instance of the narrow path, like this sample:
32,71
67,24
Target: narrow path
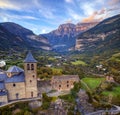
21,100
117,107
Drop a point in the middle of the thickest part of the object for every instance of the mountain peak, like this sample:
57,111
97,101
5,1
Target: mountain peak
67,25
15,28
65,35
21,37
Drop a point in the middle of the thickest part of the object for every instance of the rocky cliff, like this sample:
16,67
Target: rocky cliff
63,38
103,37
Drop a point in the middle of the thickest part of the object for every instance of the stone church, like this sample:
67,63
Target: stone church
17,83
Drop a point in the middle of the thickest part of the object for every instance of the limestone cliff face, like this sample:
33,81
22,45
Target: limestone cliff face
63,38
104,36
81,27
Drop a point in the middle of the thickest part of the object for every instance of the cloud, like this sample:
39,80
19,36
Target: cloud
74,15
94,17
43,31
87,8
69,1
102,11
8,5
69,21
19,5
114,2
113,9
10,17
46,13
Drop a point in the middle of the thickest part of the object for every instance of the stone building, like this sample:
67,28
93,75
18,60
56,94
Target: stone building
65,82
17,83
110,79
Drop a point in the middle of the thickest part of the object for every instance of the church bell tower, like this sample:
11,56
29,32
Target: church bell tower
30,67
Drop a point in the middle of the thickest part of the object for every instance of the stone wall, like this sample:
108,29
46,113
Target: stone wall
3,99
66,84
15,90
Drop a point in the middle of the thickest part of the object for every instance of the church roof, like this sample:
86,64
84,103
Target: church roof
3,76
29,58
3,93
16,78
2,85
15,69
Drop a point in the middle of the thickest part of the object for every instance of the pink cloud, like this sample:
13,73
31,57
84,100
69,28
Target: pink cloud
114,2
95,17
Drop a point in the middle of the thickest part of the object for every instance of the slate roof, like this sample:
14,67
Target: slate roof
3,76
16,78
3,93
29,58
2,85
15,69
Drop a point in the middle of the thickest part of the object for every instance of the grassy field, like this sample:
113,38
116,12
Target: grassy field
79,62
92,83
115,92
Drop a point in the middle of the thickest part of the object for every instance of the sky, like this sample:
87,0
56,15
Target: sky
43,16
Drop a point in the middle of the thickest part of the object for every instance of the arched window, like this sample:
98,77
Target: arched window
32,66
28,66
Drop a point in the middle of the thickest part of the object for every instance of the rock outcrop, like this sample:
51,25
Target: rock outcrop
63,38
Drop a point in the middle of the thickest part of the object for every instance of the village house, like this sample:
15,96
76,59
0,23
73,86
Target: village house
16,83
109,79
64,82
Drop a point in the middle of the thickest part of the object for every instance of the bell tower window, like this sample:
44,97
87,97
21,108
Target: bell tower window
28,66
32,66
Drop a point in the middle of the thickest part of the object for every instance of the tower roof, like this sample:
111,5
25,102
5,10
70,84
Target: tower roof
15,69
29,58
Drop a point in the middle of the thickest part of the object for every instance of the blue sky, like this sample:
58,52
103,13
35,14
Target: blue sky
43,16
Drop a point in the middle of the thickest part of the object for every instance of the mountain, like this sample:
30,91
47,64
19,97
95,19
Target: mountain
13,35
104,37
63,38
10,41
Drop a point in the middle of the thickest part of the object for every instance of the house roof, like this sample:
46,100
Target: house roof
15,69
16,78
29,58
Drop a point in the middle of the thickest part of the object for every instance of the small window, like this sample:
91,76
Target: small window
14,85
59,85
32,66
30,81
67,81
33,76
28,66
67,85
